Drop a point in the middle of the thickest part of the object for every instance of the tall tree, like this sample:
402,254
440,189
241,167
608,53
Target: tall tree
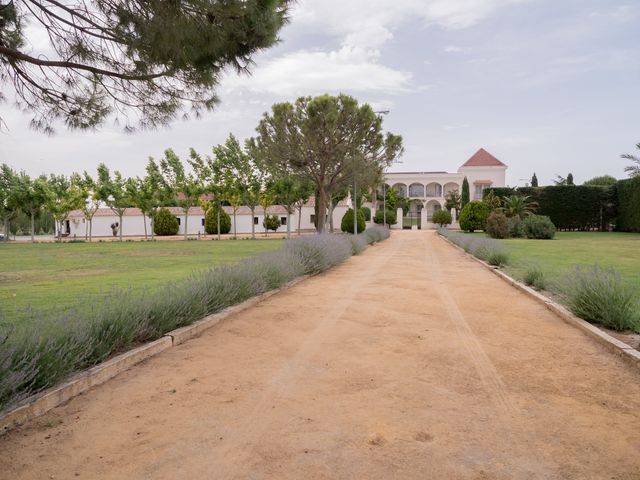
452,201
570,179
266,200
534,180
9,204
325,138
304,191
633,170
150,59
156,190
63,196
91,201
601,181
289,192
113,192
186,187
31,196
464,197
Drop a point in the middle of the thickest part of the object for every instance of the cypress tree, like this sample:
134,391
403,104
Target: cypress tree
464,198
534,180
570,179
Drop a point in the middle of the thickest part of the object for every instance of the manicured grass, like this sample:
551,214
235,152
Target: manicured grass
53,276
559,256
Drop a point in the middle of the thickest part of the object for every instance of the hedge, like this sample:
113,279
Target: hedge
570,207
628,203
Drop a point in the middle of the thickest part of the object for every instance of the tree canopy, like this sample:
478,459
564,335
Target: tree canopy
142,60
325,139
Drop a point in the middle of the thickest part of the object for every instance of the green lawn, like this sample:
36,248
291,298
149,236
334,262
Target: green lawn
620,251
58,276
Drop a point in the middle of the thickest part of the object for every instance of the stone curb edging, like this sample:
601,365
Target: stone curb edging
42,402
628,353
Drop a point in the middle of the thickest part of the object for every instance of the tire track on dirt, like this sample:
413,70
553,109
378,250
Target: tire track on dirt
494,386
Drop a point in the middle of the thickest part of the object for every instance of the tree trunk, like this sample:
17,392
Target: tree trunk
264,222
144,222
151,221
299,219
219,207
86,229
253,225
120,226
90,229
234,224
322,209
186,218
331,207
6,229
33,226
288,223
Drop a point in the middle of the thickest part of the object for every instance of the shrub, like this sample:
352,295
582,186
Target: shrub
539,227
347,221
211,221
367,213
164,223
534,277
487,249
598,295
45,349
516,227
442,217
628,200
498,225
271,222
391,217
474,216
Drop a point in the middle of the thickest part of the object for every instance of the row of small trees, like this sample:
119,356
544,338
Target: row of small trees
315,146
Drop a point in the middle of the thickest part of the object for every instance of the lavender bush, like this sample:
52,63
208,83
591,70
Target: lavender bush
487,249
48,348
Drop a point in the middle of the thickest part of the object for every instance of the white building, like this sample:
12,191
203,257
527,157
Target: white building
133,222
426,191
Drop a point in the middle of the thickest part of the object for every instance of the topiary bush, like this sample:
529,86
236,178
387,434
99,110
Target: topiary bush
474,216
347,222
442,217
211,221
271,222
367,213
165,223
497,225
391,217
539,227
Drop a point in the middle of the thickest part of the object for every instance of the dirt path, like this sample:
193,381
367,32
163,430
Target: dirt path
410,362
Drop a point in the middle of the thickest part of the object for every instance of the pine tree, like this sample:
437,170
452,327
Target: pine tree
464,199
534,180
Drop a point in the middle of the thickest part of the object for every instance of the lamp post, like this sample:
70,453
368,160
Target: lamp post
355,201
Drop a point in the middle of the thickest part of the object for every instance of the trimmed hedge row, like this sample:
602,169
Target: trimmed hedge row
628,204
570,207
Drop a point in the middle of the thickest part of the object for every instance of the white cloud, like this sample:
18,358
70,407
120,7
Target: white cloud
311,71
452,49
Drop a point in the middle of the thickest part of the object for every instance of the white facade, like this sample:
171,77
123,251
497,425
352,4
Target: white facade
427,190
133,222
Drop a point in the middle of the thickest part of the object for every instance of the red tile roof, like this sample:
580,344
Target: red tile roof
482,158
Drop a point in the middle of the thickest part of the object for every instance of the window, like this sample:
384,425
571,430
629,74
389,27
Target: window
283,220
202,222
255,220
312,218
178,218
479,189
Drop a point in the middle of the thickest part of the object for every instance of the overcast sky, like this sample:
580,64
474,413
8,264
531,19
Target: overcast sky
550,86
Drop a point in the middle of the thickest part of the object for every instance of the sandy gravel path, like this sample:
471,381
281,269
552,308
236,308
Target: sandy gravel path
408,362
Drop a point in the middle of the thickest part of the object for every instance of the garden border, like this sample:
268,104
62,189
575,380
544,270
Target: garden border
628,353
42,402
